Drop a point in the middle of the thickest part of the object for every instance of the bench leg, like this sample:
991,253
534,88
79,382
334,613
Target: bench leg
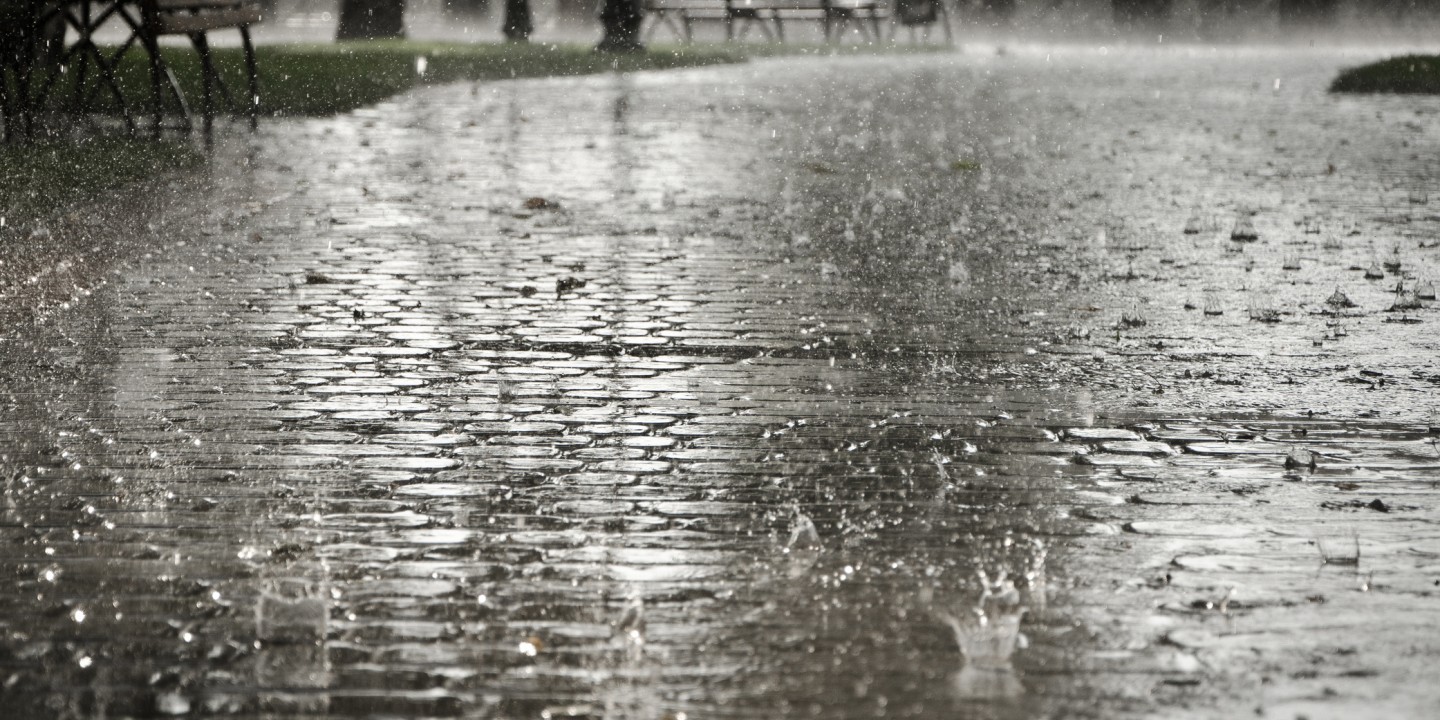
7,114
27,102
207,79
82,73
679,26
157,77
252,75
85,25
105,79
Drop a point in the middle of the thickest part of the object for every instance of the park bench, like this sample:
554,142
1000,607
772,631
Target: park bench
194,19
680,15
922,15
49,41
769,16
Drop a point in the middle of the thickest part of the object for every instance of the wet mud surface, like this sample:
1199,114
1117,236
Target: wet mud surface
830,388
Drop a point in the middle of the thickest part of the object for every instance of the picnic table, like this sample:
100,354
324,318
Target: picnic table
48,47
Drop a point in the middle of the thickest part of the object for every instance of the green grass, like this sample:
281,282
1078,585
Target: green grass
313,80
325,79
1407,74
36,179
333,78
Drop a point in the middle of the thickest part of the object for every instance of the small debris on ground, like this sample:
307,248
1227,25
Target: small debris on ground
567,284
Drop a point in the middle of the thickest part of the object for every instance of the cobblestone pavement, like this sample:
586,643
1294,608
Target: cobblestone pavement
825,368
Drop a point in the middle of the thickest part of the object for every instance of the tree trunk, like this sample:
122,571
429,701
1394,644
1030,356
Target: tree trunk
371,19
621,20
518,24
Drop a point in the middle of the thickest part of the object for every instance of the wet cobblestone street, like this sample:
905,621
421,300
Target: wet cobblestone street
758,391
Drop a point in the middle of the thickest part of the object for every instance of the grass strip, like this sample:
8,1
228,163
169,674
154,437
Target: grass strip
1407,74
326,79
39,178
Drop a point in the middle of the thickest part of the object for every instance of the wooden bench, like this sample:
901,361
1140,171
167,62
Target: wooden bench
55,42
194,19
681,15
769,16
922,15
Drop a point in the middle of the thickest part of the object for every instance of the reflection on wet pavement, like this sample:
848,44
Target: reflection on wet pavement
898,386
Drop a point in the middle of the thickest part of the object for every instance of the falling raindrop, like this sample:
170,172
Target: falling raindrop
1339,299
1132,317
559,712
988,635
803,535
959,275
1262,308
172,703
629,628
1244,230
1212,305
803,548
504,390
1300,459
1339,552
1425,290
292,611
1392,262
1405,299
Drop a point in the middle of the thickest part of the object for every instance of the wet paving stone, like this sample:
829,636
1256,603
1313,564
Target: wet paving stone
864,348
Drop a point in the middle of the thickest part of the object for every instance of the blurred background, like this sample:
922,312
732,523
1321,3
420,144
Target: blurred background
1348,21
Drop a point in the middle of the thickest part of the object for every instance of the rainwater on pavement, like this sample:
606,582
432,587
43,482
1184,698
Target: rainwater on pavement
1051,382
